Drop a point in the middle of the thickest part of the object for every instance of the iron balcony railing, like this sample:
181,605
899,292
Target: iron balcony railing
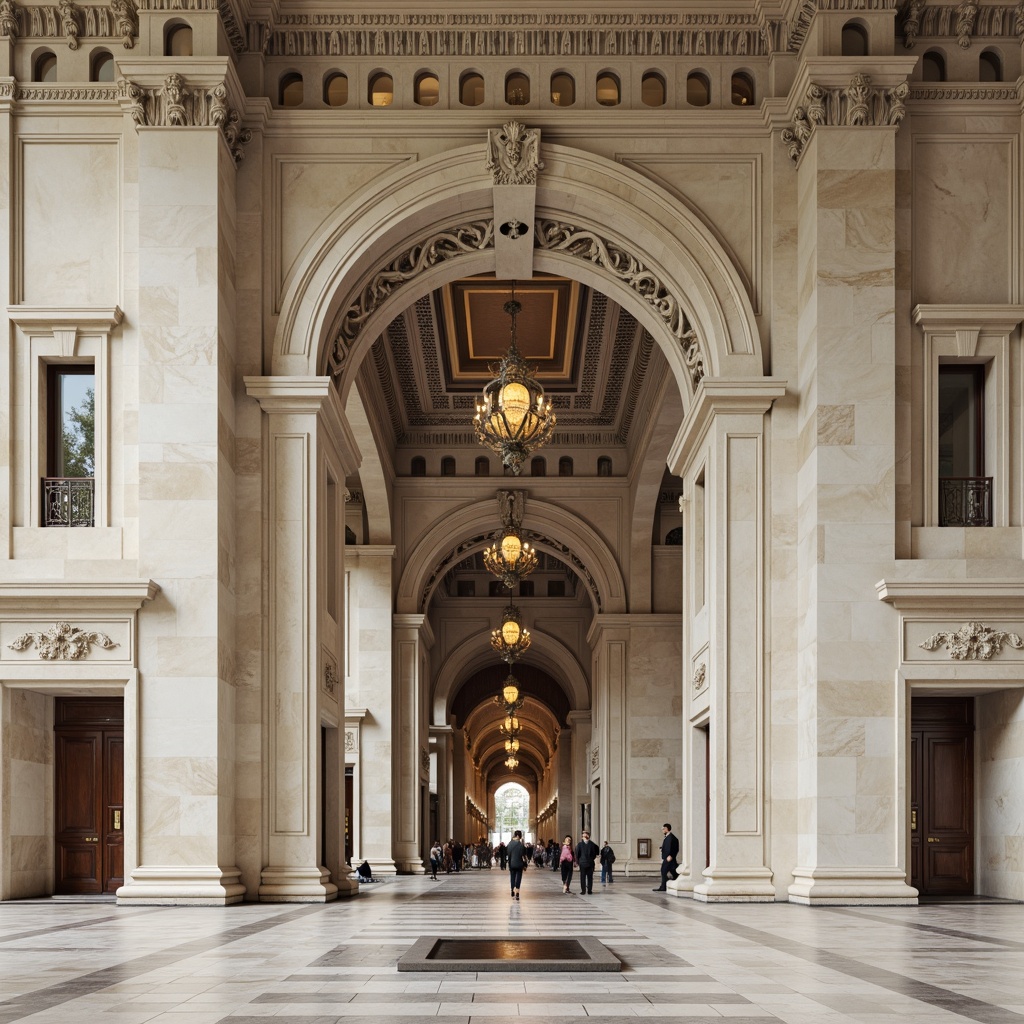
965,501
68,501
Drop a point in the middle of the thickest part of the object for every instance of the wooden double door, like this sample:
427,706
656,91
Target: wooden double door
89,795
942,796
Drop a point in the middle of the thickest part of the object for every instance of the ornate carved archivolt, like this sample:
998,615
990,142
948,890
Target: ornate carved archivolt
859,103
973,642
62,642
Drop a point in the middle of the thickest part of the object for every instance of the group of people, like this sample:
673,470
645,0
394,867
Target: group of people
584,856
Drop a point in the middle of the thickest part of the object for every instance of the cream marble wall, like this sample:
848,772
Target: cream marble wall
26,793
999,755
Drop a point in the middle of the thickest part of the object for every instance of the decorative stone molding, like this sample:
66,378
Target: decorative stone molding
942,91
351,744
963,21
176,103
55,92
858,104
516,34
973,642
700,678
614,259
424,760
62,642
595,758
71,21
513,154
807,9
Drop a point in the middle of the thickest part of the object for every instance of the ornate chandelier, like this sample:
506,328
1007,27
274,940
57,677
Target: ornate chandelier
510,727
512,417
511,639
512,746
509,699
510,558
512,762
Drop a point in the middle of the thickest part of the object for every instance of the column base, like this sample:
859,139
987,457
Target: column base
381,866
836,887
410,867
296,885
182,887
735,885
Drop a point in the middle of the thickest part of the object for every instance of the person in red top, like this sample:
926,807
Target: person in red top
566,859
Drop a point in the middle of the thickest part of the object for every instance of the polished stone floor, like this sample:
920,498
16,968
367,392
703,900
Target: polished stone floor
685,961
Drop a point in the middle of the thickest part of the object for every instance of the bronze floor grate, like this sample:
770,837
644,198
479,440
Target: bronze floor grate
501,953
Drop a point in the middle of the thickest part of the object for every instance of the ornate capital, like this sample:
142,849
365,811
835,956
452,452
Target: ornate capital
859,103
8,19
62,642
126,19
973,642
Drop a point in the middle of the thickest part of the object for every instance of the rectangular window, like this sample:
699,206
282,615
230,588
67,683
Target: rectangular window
68,488
965,493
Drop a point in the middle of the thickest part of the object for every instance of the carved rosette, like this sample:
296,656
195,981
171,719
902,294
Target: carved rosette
513,154
973,642
859,103
62,642
176,103
700,678
331,680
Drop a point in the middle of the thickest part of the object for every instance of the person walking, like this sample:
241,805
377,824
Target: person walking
516,862
566,859
669,857
607,860
502,855
587,852
435,859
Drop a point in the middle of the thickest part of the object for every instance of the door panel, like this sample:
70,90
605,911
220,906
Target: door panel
942,795
89,795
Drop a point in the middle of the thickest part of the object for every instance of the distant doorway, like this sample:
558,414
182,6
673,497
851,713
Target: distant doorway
942,796
89,795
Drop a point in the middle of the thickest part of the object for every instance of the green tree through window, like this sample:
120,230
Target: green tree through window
79,437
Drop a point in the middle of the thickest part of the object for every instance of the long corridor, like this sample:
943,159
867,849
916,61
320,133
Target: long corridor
95,962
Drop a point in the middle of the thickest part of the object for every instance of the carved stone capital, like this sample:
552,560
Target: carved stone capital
9,25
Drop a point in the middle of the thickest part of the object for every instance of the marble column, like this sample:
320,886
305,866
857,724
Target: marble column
186,491
308,449
369,568
412,640
847,758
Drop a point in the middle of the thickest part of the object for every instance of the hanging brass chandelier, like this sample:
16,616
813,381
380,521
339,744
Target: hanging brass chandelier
510,557
512,746
513,418
512,762
510,700
510,727
511,639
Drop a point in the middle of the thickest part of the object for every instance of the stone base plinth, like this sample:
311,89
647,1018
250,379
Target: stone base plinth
834,887
297,885
735,885
182,886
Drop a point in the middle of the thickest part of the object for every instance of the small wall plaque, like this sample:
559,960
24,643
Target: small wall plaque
643,849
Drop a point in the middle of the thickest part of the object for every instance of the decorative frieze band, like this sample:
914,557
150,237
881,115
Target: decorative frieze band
963,21
62,642
859,103
973,642
178,103
70,20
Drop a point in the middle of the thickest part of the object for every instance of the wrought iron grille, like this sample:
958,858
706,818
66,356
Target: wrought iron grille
965,501
68,501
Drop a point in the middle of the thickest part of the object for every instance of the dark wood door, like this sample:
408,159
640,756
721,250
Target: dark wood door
942,796
89,795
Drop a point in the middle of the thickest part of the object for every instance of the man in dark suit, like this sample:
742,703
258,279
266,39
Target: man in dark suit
587,852
669,857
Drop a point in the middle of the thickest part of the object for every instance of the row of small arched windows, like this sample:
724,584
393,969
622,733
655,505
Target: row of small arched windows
177,43
482,466
427,89
933,67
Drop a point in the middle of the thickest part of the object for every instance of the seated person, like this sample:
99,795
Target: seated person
364,872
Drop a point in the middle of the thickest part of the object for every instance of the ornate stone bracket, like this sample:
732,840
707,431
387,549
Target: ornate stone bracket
62,642
69,21
513,154
126,18
973,642
859,103
8,19
176,103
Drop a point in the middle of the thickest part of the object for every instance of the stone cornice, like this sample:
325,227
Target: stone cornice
84,597
999,319
97,318
958,596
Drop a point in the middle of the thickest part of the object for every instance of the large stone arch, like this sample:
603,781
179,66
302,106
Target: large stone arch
551,527
414,208
470,656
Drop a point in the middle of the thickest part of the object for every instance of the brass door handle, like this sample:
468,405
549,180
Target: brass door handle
932,839
913,820
91,839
